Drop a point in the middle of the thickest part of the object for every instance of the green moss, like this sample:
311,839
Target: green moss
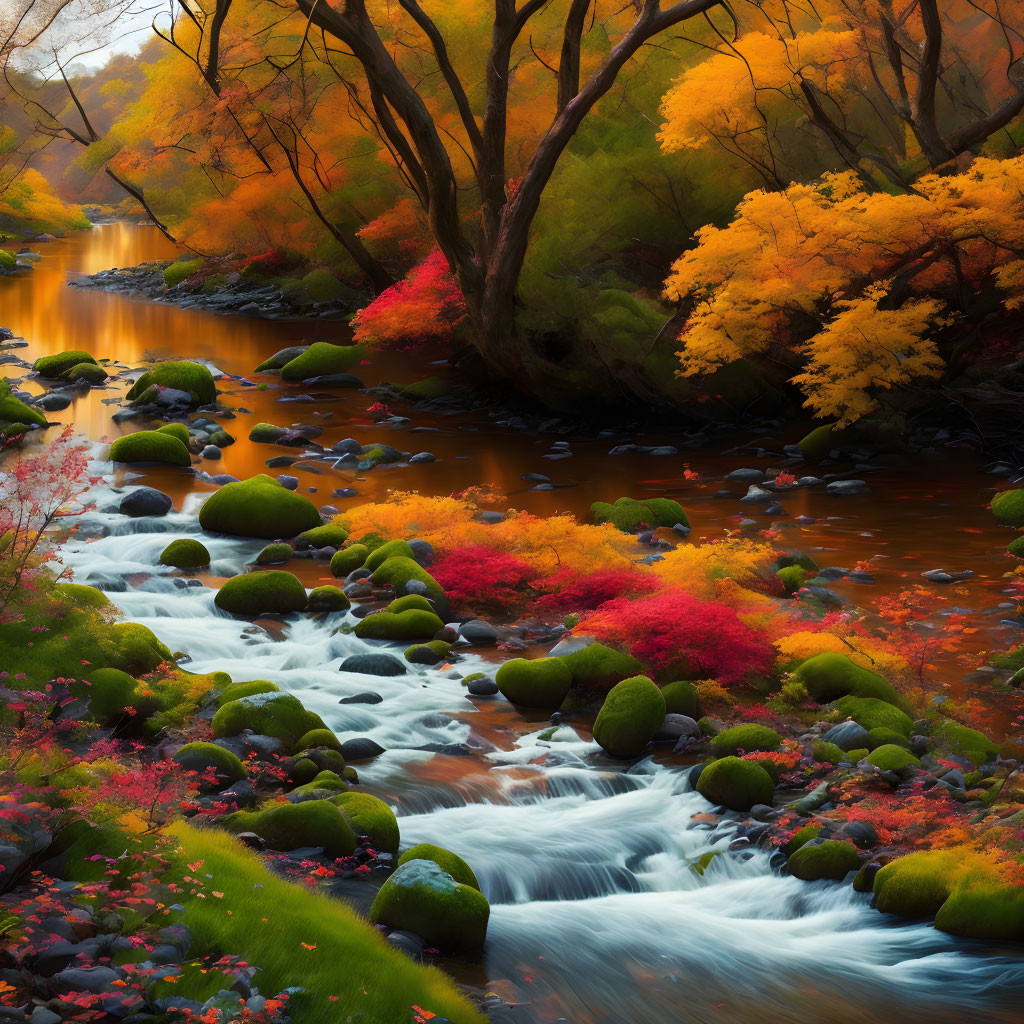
984,910
879,737
429,387
109,692
630,715
326,785
235,691
792,578
322,358
891,758
178,430
1008,507
370,817
270,590
202,757
55,366
270,714
438,651
736,784
82,596
450,863
290,826
970,744
150,446
378,454
409,602
537,683
89,372
322,286
874,714
330,535
15,411
831,859
410,625
801,837
327,599
214,283
347,559
596,667
275,554
185,553
420,897
319,738
629,513
918,884
819,442
181,269
680,698
396,548
746,738
828,753
258,507
1016,547
398,571
829,676
132,647
182,375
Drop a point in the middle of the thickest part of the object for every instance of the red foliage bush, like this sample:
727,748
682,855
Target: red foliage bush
481,581
570,590
673,628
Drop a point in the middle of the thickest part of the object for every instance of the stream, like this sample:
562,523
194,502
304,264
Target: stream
597,915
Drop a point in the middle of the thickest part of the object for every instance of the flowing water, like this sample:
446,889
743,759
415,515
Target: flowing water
598,916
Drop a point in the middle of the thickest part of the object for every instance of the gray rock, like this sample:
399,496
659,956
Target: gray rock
423,457
478,633
676,727
145,501
757,495
485,686
366,697
361,749
407,942
291,482
54,401
848,736
847,487
422,551
373,665
41,1015
211,451
415,587
746,476
91,979
491,517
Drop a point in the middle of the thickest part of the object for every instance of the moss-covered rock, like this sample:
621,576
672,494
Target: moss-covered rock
55,366
327,599
347,559
1008,507
178,430
319,738
183,375
322,358
258,507
801,837
830,675
235,691
431,653
181,269
398,571
891,758
150,446
270,590
792,578
390,549
408,602
680,698
185,553
874,714
828,753
423,390
818,443
370,817
270,714
597,667
830,859
422,898
290,826
82,596
91,373
628,513
629,717
132,647
450,863
321,785
964,742
745,738
109,692
208,758
275,554
414,624
330,535
736,784
918,884
984,910
536,683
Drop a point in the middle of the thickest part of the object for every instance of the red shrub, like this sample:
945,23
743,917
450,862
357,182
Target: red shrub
481,581
673,628
569,590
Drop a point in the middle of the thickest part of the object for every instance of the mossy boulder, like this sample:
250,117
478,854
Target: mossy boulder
414,624
398,571
1008,507
597,667
109,692
391,548
680,698
431,653
891,758
181,269
235,691
132,647
330,535
54,367
818,443
322,286
830,859
258,507
745,738
423,390
178,430
290,826
185,553
91,373
984,910
536,683
269,590
319,738
879,737
322,358
628,513
150,446
450,863
629,717
792,578
828,753
409,602
210,759
830,675
321,785
874,714
347,559
968,743
275,554
377,455
270,714
736,784
917,885
368,816
327,599
801,837
82,596
422,898
183,375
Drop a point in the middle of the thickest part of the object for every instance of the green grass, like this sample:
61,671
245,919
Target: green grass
273,922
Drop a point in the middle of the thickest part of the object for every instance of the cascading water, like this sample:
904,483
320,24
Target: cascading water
597,912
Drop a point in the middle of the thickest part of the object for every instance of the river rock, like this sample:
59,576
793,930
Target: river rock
361,749
366,697
54,401
478,633
373,665
677,727
211,451
746,476
483,686
291,482
842,487
145,501
423,457
93,979
848,736
422,552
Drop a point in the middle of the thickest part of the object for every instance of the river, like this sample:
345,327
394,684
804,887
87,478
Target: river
597,915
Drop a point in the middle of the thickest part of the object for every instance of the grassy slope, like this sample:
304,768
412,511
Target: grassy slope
272,918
